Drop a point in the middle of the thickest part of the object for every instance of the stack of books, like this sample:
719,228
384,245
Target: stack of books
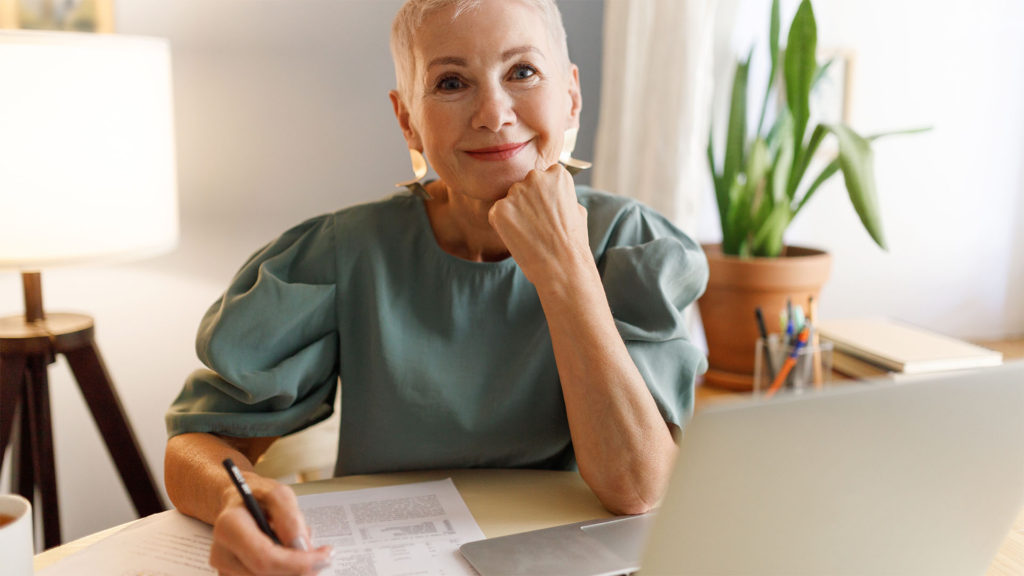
880,347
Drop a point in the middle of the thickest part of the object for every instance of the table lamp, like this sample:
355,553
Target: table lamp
87,175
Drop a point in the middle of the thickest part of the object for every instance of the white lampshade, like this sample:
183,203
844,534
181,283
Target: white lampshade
87,163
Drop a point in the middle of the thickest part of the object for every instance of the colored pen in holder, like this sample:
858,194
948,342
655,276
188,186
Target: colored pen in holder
806,364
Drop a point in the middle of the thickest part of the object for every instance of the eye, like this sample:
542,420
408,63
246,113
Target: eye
523,72
449,84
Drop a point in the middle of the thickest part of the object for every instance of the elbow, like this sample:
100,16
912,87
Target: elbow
627,494
628,506
635,487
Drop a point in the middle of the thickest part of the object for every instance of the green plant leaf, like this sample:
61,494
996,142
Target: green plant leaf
754,191
856,160
783,161
732,234
775,133
918,130
826,173
745,195
773,54
808,154
735,143
799,67
768,240
721,194
822,70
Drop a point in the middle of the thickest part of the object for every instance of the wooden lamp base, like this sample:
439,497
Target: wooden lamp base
28,344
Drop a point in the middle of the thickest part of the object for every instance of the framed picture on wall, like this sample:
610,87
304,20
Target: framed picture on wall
69,15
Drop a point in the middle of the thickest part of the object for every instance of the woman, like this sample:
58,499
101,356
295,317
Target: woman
502,319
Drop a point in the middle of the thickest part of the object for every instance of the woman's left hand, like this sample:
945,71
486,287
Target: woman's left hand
543,225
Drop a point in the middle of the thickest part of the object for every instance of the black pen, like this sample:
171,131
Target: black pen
250,502
764,342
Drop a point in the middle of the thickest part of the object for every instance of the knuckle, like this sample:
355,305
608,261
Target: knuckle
280,496
497,211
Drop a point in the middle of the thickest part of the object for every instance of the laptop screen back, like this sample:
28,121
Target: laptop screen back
921,477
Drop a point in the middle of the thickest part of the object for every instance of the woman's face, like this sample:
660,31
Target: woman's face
491,97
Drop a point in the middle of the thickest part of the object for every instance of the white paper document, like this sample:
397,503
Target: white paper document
406,530
409,530
164,544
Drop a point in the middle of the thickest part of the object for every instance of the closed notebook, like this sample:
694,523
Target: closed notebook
857,367
900,347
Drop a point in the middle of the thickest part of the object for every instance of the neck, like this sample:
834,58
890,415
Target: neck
460,225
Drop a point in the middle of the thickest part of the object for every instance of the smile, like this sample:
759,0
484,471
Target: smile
497,153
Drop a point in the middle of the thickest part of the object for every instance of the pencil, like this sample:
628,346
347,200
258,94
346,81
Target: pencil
801,341
812,316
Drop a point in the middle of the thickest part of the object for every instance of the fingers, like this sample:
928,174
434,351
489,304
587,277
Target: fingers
285,518
239,547
542,195
554,180
543,225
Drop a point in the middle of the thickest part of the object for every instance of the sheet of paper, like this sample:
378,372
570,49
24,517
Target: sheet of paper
406,530
164,544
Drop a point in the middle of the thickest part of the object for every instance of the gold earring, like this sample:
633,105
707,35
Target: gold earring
572,165
419,169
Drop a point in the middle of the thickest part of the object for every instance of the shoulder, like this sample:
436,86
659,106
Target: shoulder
360,221
604,203
615,220
378,212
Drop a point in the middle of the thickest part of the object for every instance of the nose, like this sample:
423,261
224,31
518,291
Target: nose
494,108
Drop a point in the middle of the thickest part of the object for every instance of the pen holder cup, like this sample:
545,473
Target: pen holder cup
811,367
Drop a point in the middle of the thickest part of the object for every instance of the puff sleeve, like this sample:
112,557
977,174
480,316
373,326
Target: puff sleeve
270,344
651,272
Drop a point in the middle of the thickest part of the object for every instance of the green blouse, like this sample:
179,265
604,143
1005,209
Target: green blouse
444,363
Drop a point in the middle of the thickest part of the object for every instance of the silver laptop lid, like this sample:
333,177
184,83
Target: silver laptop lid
920,477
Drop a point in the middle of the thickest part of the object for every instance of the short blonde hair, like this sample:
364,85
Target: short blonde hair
411,15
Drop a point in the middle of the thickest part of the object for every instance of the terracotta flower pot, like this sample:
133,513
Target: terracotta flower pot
736,287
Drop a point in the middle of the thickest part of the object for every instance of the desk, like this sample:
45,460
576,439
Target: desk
510,501
502,501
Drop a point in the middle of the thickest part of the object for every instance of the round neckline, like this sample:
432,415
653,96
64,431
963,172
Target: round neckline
431,241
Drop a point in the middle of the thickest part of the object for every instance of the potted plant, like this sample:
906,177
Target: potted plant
763,181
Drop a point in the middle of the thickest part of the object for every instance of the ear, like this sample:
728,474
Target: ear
412,138
575,98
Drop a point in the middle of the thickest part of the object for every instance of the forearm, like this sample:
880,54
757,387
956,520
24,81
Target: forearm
196,481
623,446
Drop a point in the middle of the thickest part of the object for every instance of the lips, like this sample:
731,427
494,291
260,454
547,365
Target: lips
497,153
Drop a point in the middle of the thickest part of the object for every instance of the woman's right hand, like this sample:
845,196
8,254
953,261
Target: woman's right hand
241,548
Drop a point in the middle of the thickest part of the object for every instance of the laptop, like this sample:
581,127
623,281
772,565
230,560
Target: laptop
924,476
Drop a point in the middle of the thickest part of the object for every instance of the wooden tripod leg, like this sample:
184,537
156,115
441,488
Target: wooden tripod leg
12,382
41,432
106,410
23,475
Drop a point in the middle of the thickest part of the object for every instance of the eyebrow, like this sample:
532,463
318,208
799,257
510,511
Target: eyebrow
505,56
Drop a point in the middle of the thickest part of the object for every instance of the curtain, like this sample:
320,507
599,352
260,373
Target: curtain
655,104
